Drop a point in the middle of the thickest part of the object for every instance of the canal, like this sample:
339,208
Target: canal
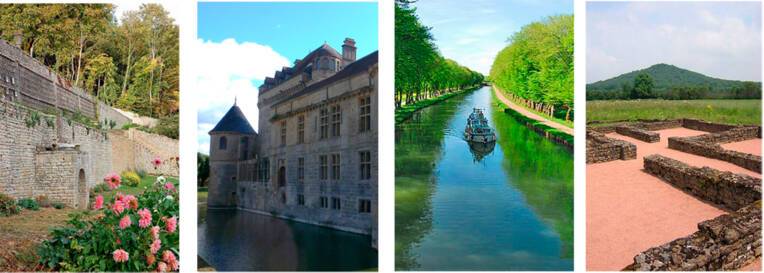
233,240
456,209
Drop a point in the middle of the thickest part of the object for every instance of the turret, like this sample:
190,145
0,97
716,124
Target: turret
231,141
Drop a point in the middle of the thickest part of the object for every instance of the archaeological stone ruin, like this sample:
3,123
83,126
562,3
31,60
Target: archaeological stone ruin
727,242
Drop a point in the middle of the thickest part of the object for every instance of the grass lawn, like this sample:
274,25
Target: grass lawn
746,112
21,234
143,185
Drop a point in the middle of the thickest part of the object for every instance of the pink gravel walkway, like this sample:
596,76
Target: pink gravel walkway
629,211
751,146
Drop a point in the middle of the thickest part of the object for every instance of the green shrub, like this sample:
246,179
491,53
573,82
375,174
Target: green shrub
8,205
90,238
28,203
58,205
100,187
130,178
142,173
167,126
43,201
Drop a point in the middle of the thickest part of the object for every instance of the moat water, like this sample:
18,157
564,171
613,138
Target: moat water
231,240
458,209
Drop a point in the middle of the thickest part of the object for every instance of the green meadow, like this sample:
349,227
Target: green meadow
723,111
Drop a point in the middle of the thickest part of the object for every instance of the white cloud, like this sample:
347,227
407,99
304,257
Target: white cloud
226,70
721,40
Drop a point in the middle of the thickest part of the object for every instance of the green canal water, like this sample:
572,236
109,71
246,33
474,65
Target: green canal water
455,209
231,240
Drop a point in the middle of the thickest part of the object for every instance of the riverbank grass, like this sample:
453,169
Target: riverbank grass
406,111
741,112
535,123
566,123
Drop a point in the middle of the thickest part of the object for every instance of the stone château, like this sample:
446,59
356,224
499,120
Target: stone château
314,157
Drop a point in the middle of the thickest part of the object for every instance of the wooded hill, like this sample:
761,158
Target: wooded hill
130,63
671,82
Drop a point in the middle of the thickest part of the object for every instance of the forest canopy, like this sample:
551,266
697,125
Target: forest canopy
421,72
536,68
130,63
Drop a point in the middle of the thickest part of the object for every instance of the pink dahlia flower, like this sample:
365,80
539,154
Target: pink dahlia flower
118,207
169,258
170,224
145,220
125,222
169,186
157,161
120,255
162,267
113,180
131,201
155,232
155,246
98,204
150,259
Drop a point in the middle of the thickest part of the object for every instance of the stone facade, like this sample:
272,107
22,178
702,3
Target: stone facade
724,189
727,242
315,157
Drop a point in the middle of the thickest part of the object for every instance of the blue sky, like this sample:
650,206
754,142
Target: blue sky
718,39
239,44
473,32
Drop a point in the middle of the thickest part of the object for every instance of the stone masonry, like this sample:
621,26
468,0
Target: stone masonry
43,151
314,157
727,242
600,148
724,189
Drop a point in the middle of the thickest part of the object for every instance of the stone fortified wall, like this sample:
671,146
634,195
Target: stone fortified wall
30,160
135,150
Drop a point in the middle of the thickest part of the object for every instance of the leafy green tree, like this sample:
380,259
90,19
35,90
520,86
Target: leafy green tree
536,68
643,87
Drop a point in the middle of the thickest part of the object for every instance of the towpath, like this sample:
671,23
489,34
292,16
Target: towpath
529,114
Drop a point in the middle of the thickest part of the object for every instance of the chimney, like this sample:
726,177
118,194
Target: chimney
17,39
348,50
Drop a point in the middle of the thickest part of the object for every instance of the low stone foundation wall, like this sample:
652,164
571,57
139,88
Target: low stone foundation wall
638,133
600,148
724,189
700,125
708,146
727,242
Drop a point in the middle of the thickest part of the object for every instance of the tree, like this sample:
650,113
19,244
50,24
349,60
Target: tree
536,68
643,87
421,72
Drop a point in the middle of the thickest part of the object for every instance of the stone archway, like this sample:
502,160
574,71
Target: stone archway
82,190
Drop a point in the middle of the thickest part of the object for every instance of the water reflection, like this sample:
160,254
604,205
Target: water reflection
505,207
233,240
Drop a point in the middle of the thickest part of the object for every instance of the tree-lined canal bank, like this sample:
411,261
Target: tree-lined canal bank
458,209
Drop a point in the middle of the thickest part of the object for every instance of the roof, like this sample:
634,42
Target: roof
234,122
353,68
323,50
